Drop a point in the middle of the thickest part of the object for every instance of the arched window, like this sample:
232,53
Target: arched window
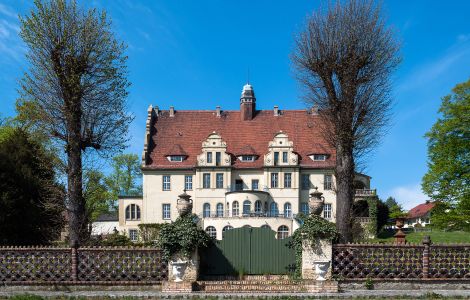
235,209
220,210
287,210
211,231
274,211
282,232
304,208
266,226
206,210
246,207
228,227
132,212
258,207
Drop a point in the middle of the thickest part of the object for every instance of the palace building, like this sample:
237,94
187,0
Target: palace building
242,168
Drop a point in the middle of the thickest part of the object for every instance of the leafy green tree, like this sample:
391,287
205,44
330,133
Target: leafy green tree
448,178
124,177
391,202
75,90
95,193
31,200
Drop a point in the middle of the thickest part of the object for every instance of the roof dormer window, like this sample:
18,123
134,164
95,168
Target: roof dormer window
319,157
176,158
247,158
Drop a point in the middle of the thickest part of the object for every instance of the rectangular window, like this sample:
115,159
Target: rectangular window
284,157
217,158
166,182
176,158
166,212
328,182
206,181
305,181
133,235
274,180
304,208
327,211
219,180
276,158
248,158
254,184
319,157
209,157
287,180
239,185
188,182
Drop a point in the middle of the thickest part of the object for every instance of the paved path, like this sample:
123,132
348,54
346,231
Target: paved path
154,294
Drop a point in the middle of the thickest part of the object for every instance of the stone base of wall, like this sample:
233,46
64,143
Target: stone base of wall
177,287
276,286
322,287
409,285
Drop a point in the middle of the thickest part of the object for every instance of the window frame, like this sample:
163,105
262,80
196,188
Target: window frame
188,184
206,210
132,212
282,234
306,183
219,184
304,208
328,213
328,183
274,180
287,210
246,208
235,209
209,157
289,177
253,187
211,231
219,209
285,157
176,158
166,185
206,180
164,211
133,235
218,158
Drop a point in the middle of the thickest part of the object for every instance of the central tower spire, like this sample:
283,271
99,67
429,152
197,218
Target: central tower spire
247,103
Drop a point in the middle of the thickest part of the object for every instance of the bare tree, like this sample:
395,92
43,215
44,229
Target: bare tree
344,58
75,90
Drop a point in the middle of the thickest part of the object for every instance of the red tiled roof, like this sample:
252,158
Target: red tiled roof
176,150
247,150
190,128
420,210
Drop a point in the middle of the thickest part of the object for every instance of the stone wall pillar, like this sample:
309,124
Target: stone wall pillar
321,250
191,272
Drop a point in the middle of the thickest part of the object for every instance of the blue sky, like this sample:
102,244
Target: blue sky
195,55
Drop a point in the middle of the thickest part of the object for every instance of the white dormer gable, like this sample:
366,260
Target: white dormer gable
281,152
214,152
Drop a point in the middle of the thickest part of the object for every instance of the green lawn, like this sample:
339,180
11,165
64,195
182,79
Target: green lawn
437,236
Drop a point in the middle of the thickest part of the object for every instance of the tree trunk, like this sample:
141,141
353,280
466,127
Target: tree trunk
344,173
76,203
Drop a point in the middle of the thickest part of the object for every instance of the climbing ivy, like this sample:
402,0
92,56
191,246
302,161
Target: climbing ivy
312,228
373,213
182,237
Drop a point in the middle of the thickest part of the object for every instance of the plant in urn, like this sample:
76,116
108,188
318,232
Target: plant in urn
316,202
184,204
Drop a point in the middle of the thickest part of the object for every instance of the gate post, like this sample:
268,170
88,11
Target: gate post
74,260
321,251
426,243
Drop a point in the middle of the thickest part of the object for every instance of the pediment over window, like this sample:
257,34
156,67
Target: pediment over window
214,152
281,152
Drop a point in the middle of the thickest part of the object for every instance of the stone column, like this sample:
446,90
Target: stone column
321,250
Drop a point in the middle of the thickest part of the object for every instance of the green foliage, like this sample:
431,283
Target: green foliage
391,202
123,178
116,239
149,232
312,228
182,237
373,213
369,284
396,211
31,200
448,176
451,216
95,194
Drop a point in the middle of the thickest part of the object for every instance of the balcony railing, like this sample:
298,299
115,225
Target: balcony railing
365,192
247,214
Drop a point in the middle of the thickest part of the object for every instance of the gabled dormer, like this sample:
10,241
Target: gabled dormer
281,152
214,152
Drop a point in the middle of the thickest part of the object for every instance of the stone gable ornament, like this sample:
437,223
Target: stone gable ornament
316,202
184,204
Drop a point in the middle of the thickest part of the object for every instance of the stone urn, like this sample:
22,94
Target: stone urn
321,269
178,268
184,204
316,202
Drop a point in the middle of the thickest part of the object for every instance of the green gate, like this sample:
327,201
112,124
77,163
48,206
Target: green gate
249,251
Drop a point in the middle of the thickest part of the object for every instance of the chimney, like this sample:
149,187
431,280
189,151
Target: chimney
217,111
172,111
247,103
276,110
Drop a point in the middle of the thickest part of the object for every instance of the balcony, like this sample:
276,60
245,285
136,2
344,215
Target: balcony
360,193
247,214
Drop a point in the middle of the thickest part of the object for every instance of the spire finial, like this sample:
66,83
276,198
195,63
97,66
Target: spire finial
248,76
